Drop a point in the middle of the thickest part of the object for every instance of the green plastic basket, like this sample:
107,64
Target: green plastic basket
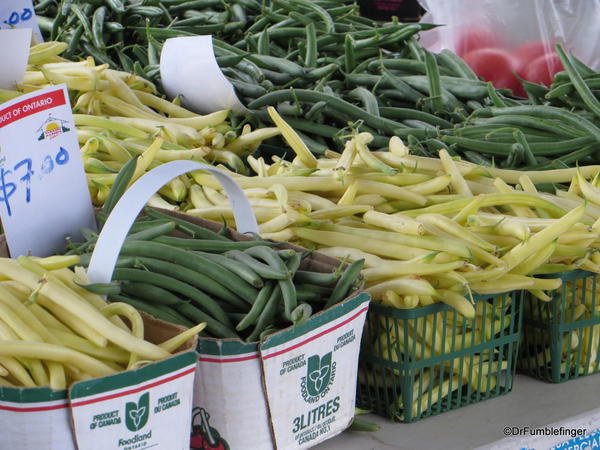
561,338
464,364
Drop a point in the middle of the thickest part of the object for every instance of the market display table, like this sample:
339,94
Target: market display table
575,404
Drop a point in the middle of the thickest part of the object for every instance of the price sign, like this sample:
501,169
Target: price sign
14,61
19,14
43,190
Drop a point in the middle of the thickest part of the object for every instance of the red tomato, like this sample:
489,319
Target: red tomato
542,69
474,39
495,65
526,53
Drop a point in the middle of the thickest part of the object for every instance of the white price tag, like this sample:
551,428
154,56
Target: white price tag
201,83
44,195
19,14
14,62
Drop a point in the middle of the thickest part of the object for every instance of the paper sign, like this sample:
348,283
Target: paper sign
44,195
14,62
188,68
19,14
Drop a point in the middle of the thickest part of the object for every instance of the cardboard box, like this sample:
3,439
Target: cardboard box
143,408
295,389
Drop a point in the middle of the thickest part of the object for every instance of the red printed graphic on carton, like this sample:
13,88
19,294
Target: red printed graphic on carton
205,437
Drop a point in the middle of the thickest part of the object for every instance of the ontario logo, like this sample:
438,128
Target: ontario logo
136,414
52,128
320,374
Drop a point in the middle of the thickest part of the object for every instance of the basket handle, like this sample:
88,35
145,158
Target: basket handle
126,210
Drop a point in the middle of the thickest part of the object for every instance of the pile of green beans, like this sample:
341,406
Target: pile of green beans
241,289
329,72
128,34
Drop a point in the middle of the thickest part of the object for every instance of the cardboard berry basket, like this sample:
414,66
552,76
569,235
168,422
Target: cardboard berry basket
294,389
142,408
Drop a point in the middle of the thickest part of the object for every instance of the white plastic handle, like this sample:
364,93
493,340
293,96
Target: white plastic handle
126,210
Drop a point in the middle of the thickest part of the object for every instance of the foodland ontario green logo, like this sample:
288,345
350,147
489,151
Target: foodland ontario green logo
136,414
320,373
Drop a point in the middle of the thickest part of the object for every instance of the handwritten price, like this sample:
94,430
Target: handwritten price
25,166
15,17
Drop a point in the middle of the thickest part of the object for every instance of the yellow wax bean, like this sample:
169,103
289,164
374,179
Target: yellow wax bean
344,163
85,313
539,240
339,211
374,246
432,243
353,254
469,209
402,285
507,282
450,227
217,212
390,191
392,269
56,353
244,142
456,301
395,223
280,222
535,260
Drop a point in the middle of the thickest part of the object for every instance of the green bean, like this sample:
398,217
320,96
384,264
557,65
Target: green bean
477,158
548,112
344,284
203,300
242,270
152,232
314,288
151,293
195,231
321,279
83,20
116,5
413,114
264,270
456,64
495,148
349,57
320,73
269,256
267,314
264,43
171,316
522,141
580,86
119,186
336,103
307,296
310,59
402,88
435,87
211,245
192,278
103,288
259,305
97,26
213,326
192,261
368,100
301,313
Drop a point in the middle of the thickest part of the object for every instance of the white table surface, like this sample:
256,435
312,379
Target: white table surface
532,403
